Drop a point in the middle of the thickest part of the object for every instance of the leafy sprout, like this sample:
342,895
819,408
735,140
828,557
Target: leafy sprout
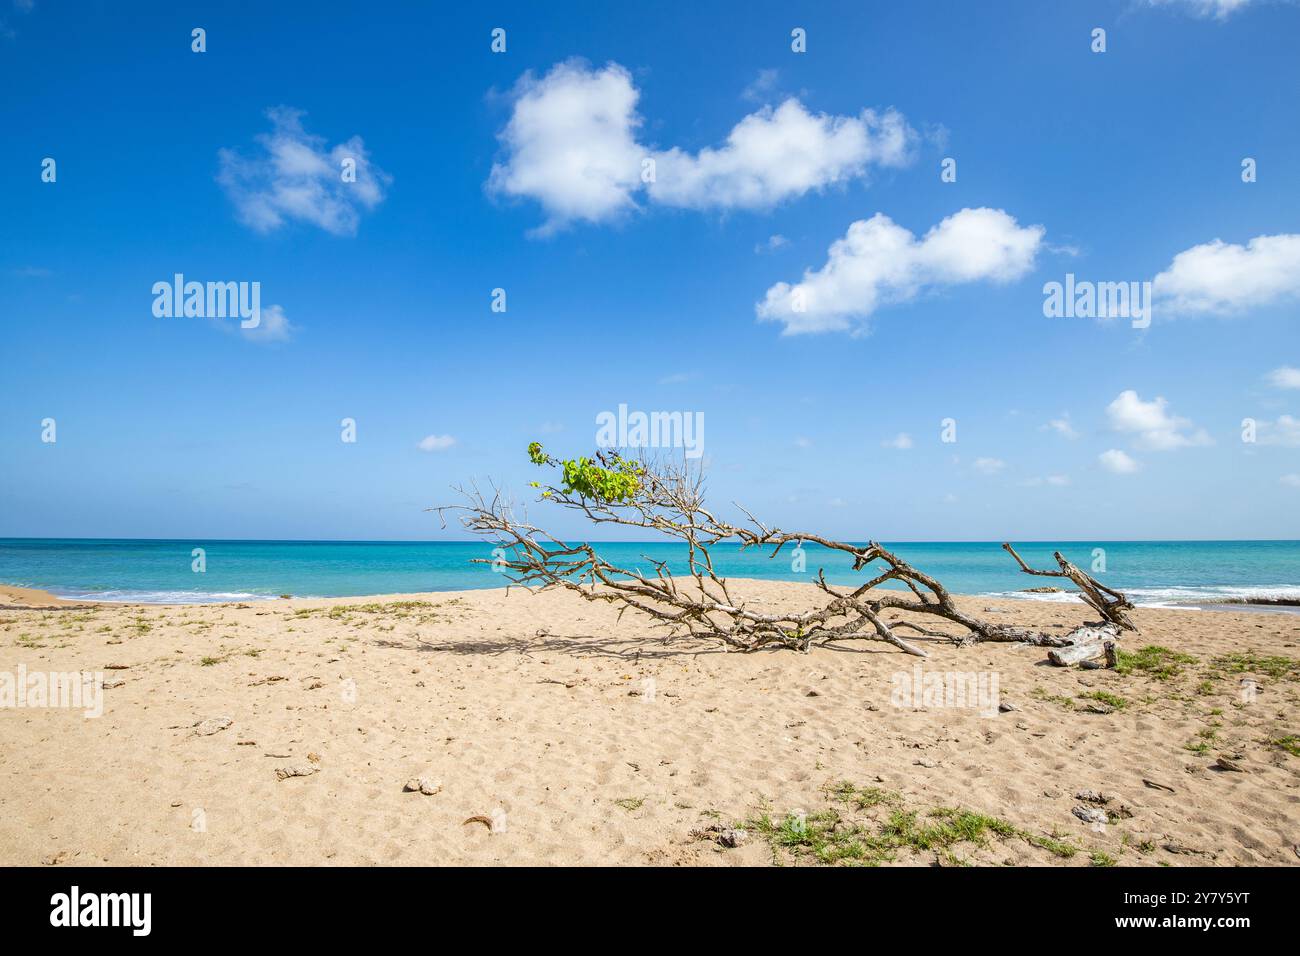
610,478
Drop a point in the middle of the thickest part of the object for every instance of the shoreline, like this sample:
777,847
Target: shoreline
13,597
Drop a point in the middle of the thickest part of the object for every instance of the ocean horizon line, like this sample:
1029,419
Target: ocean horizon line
179,570
663,540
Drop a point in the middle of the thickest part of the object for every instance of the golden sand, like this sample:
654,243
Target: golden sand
568,737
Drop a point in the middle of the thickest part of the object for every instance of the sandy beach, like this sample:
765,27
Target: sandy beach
566,736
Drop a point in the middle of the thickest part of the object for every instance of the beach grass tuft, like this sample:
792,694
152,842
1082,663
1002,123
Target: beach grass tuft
831,837
1276,667
1154,661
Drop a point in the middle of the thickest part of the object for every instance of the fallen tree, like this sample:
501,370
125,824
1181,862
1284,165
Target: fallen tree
668,498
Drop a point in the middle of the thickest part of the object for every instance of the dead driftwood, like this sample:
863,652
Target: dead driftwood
1110,604
668,499
1086,643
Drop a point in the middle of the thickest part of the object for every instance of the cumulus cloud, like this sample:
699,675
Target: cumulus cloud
436,442
572,145
1222,278
879,262
1284,377
273,327
777,154
1217,9
1117,462
1285,431
1152,424
902,441
989,466
298,177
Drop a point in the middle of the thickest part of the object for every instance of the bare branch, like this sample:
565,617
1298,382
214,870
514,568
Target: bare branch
668,498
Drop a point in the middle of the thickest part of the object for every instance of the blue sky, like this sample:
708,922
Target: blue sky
1117,166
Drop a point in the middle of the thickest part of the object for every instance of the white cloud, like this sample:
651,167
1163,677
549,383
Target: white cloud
1292,479
879,262
1063,427
571,145
1284,377
762,87
1219,277
802,442
778,154
1152,424
1056,481
436,443
298,178
1285,431
772,244
273,327
989,466
1118,462
1218,9
902,441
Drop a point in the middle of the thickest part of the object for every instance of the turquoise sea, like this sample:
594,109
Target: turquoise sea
1151,572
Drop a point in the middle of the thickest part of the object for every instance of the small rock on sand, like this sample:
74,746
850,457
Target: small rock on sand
422,785
213,725
732,838
300,770
729,837
1091,796
1089,814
